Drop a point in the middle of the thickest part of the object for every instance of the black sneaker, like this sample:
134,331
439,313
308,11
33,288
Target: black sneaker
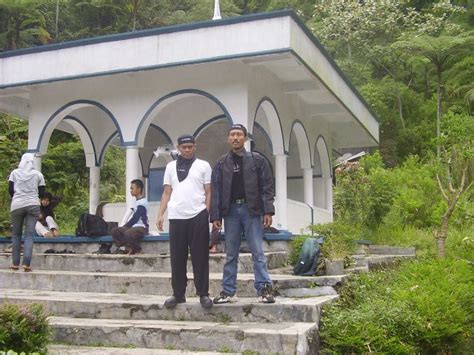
173,301
120,250
266,294
224,298
104,248
205,301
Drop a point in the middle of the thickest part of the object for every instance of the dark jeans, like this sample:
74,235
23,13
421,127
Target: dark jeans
129,237
193,235
28,216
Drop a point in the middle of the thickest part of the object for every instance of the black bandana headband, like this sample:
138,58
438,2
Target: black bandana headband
186,138
239,127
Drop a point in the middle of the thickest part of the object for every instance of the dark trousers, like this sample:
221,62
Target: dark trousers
190,235
129,237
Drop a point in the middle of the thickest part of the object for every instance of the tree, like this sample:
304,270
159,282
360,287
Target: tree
13,140
460,83
352,28
441,52
457,153
23,24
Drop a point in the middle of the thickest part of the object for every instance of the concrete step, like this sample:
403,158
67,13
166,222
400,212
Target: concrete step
158,283
282,338
57,349
142,307
374,261
150,245
391,250
135,263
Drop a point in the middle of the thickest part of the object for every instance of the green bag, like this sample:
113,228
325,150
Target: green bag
309,257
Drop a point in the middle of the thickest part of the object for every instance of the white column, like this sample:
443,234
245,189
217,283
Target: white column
308,186
131,172
217,10
139,168
328,186
281,194
38,162
94,188
247,145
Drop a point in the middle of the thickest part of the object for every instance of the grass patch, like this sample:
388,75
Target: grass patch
426,306
408,236
224,349
459,244
223,318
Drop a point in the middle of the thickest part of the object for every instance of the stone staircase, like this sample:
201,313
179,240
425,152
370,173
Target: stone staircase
117,301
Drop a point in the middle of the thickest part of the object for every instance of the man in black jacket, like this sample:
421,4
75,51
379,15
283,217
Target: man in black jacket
242,195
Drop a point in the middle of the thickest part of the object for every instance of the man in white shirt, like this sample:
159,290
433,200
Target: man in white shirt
187,195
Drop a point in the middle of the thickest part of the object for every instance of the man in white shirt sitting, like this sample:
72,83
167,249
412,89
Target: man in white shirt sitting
136,226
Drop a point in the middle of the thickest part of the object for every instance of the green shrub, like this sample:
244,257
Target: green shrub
427,306
339,239
368,195
363,193
24,328
460,244
417,201
463,215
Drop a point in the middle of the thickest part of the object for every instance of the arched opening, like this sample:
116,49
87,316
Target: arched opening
299,158
95,118
211,139
267,120
73,146
153,165
322,175
181,112
262,143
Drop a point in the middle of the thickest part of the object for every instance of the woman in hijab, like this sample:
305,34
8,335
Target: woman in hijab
26,187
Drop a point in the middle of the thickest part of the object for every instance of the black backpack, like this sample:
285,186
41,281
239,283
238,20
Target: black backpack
309,257
90,225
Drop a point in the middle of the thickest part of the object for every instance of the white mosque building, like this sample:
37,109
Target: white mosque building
143,89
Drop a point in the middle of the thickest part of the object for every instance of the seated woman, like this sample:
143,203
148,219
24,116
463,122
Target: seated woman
130,234
46,225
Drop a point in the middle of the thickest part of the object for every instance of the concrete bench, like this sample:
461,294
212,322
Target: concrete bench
151,244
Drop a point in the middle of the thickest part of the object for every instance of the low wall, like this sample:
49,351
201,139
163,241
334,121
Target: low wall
300,216
114,212
150,244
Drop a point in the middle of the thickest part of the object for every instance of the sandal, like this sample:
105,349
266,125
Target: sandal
14,267
27,268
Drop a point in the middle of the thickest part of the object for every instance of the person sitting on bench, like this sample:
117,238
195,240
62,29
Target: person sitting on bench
136,226
46,225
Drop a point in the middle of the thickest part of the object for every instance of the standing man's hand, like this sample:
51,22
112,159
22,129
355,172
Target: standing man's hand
217,224
267,220
165,197
159,223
